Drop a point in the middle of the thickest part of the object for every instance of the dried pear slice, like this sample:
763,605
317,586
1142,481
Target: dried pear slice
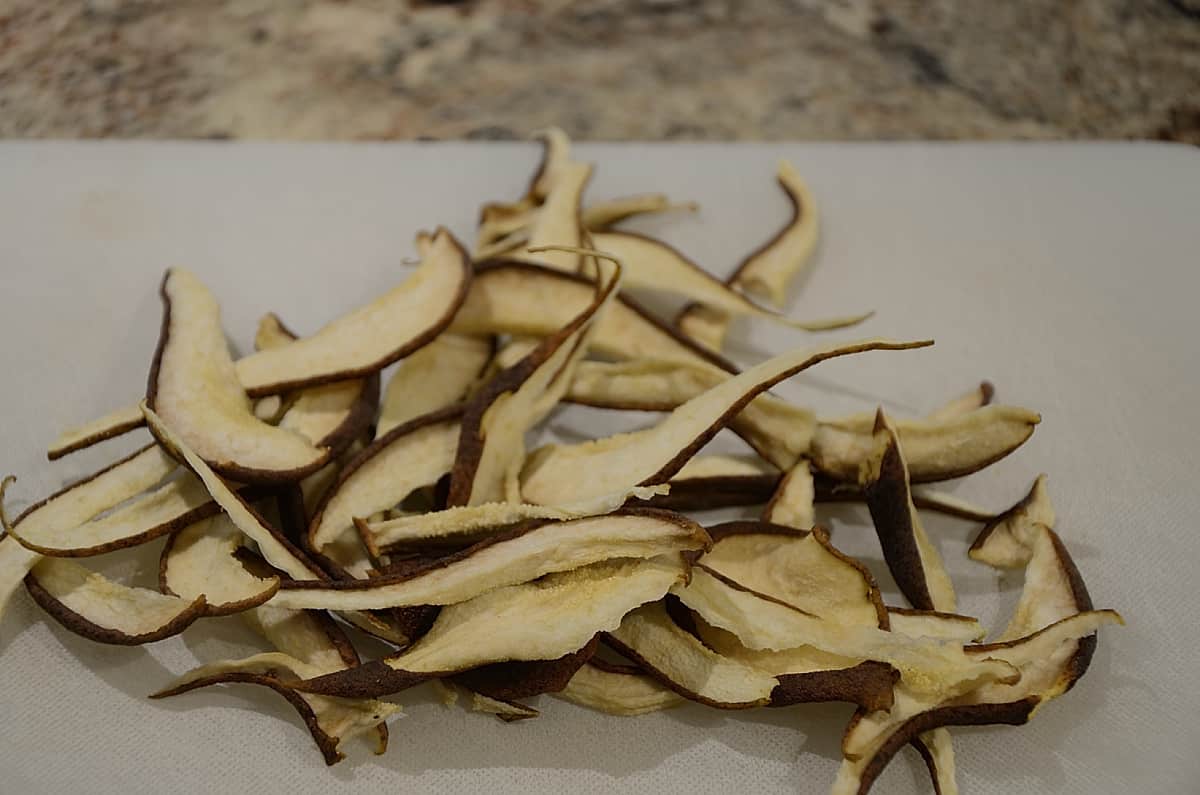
558,473
173,505
654,265
719,481
195,387
1006,541
911,557
527,551
924,498
76,504
408,457
766,272
93,606
558,221
539,620
602,215
331,415
618,692
792,503
965,403
509,681
1053,588
491,447
438,375
779,431
935,450
330,721
799,567
110,426
6,524
373,336
938,754
523,299
507,711
198,562
681,662
932,624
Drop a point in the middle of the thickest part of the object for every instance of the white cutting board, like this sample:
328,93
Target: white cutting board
1067,274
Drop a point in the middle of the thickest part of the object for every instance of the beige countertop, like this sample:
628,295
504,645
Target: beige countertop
601,69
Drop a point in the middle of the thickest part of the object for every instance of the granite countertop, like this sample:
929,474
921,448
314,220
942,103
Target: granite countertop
601,69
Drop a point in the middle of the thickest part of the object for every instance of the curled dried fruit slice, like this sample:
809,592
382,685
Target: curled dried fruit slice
199,562
654,265
91,605
558,473
935,449
526,552
791,504
910,555
539,620
965,403
523,299
509,681
558,221
194,386
76,504
932,624
507,711
491,447
925,498
330,721
1006,541
719,481
438,375
601,215
110,426
767,271
373,336
408,457
625,692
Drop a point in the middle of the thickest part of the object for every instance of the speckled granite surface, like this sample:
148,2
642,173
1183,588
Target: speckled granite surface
602,69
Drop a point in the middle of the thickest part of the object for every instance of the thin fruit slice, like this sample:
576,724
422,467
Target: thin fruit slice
924,498
965,403
439,375
526,552
110,426
654,265
1006,541
766,272
74,505
199,562
539,620
558,221
6,524
625,692
507,711
509,681
195,388
911,557
558,473
523,299
330,721
792,503
408,457
935,450
491,447
373,336
91,605
932,624
719,481
175,504
602,215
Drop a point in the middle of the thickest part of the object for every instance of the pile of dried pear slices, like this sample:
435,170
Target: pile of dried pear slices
298,493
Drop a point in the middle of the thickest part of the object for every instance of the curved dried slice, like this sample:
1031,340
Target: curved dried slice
767,271
198,562
330,721
799,567
719,481
509,681
1006,541
938,754
681,662
601,215
6,524
309,636
618,692
539,620
453,525
408,457
524,553
77,503
654,265
792,503
779,431
558,221
557,473
110,426
330,415
438,375
173,505
911,557
932,624
523,299
1053,587
935,450
91,605
507,711
373,336
924,498
965,403
491,447
194,387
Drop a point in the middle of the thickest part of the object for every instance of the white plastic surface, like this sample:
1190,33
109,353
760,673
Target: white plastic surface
1067,274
